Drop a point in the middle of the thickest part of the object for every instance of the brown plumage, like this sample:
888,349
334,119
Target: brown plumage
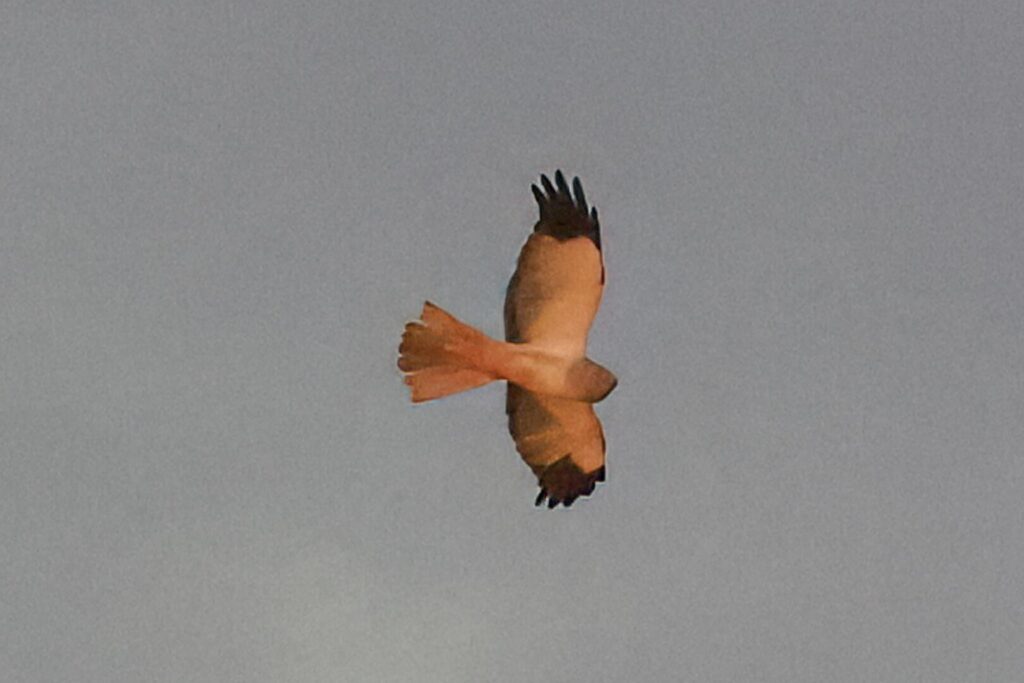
550,304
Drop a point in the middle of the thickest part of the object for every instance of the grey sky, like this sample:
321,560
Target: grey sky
217,216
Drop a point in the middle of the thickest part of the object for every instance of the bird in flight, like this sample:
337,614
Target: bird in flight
550,304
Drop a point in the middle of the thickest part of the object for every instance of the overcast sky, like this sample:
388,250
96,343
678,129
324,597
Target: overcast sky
216,217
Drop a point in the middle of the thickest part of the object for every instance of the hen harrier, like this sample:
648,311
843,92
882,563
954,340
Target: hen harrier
549,306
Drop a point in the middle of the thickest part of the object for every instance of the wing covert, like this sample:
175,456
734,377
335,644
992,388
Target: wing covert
562,442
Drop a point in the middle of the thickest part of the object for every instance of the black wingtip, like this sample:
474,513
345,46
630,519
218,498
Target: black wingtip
577,190
548,187
563,482
564,211
540,498
563,187
542,201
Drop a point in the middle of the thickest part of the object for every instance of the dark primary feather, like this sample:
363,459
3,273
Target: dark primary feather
548,186
563,187
541,199
563,213
563,482
581,199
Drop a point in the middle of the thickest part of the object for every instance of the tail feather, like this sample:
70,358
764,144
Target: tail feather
441,355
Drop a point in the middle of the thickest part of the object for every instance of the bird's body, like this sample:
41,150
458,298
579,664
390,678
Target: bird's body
550,304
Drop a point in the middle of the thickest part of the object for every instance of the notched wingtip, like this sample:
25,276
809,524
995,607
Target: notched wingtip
577,190
538,195
548,187
563,187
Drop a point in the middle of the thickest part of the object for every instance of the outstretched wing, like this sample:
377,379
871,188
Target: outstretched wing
551,302
556,290
562,442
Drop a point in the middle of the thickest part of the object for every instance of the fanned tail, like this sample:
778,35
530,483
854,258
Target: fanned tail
442,355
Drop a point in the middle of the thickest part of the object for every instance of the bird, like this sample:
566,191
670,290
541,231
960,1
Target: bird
552,386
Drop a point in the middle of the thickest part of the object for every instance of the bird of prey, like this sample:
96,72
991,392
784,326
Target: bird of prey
550,304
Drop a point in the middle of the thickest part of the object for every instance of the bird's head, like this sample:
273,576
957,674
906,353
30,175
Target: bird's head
596,381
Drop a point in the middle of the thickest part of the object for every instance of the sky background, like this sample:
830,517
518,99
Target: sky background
217,216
